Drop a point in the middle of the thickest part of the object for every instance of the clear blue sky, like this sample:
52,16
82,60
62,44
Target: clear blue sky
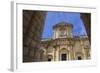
53,18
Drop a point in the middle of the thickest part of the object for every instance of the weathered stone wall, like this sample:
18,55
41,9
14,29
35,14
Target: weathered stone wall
72,47
33,23
86,18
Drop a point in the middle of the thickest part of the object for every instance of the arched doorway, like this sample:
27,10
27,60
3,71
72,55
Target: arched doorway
63,54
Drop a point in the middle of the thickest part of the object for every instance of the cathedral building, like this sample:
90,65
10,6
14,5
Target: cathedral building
64,46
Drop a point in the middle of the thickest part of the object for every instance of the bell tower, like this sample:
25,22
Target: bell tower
62,30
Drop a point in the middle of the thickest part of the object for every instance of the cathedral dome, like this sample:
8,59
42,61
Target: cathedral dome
62,24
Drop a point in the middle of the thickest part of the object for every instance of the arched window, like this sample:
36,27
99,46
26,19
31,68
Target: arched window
50,58
79,56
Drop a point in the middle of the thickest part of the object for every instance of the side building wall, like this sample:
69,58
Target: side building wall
33,23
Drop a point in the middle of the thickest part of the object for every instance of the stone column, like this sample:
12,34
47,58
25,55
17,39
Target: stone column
68,53
83,51
55,54
72,53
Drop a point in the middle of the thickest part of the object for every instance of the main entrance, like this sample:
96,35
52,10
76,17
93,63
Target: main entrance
79,58
63,57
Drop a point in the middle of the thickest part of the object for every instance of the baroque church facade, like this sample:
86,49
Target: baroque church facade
64,46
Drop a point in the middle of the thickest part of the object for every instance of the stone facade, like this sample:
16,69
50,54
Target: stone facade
64,46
